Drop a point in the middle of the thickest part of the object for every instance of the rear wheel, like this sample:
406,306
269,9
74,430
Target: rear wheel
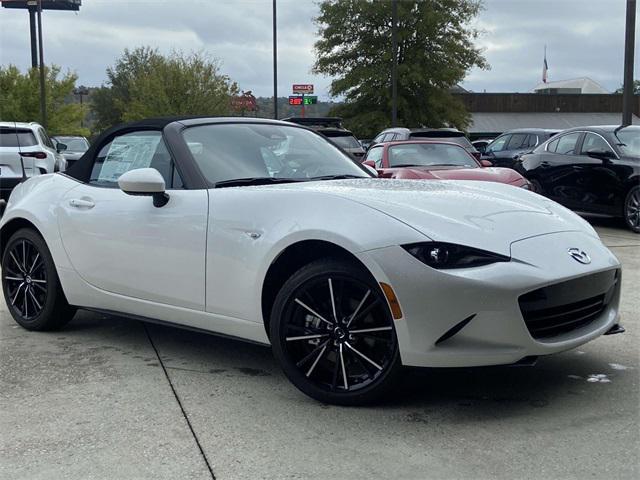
30,283
333,334
632,209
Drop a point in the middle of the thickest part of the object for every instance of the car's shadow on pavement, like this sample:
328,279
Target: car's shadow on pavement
473,393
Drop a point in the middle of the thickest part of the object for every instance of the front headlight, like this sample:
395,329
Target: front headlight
449,255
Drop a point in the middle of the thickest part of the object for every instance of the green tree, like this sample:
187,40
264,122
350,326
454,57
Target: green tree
144,83
20,99
636,88
435,51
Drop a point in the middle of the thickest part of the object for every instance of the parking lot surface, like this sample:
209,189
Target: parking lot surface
110,398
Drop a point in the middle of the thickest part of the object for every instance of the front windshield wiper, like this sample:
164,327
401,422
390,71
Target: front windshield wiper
335,177
448,165
239,182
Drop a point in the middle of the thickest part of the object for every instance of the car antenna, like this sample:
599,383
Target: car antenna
24,172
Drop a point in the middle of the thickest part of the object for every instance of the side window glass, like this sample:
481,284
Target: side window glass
567,143
388,137
131,151
517,141
551,146
375,155
532,141
594,142
498,144
378,139
45,138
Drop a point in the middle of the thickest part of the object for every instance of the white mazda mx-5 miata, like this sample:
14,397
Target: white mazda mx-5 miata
266,231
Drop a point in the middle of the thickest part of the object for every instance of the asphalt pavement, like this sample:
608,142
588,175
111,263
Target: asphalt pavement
110,398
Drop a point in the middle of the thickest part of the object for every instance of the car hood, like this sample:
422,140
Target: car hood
491,174
485,215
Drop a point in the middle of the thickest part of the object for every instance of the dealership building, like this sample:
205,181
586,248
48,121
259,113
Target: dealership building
557,105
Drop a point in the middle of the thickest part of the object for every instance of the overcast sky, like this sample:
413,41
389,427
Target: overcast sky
583,38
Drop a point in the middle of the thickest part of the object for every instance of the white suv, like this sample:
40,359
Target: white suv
28,144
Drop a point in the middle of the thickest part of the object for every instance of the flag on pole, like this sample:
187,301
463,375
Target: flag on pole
545,66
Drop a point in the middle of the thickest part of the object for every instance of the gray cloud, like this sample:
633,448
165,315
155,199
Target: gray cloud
584,38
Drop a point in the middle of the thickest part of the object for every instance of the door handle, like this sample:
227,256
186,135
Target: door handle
79,203
545,164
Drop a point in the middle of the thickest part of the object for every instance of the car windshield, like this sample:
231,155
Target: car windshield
249,153
429,154
74,144
345,141
629,138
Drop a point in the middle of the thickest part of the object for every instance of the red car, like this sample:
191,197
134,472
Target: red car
423,159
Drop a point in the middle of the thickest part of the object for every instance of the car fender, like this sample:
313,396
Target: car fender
243,242
35,201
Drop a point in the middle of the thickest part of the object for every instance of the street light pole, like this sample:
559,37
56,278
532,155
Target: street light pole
275,65
627,96
32,32
394,65
43,102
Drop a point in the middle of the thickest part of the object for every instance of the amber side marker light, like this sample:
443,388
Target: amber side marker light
393,300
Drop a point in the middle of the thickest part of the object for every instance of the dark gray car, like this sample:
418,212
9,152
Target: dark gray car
507,148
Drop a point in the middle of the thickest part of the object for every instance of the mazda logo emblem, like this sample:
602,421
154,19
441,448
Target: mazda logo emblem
579,255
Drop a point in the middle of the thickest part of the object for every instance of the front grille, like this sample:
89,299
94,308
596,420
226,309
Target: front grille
566,306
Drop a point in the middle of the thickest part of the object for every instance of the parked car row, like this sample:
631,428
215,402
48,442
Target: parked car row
591,170
269,232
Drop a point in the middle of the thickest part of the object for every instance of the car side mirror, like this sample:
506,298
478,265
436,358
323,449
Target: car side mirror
61,147
601,154
147,182
486,163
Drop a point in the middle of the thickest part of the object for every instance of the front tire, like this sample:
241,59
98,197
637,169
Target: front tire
333,335
632,209
30,283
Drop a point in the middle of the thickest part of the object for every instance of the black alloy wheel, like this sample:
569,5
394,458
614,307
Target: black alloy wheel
26,279
333,334
632,209
30,283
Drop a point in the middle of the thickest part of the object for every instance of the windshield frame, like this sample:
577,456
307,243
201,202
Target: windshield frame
177,134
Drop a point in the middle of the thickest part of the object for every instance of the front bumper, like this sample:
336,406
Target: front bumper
435,301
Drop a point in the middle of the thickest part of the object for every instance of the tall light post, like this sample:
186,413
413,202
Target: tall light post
394,65
629,41
82,91
35,8
275,65
43,99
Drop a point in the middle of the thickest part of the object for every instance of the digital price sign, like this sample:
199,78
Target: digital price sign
298,100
